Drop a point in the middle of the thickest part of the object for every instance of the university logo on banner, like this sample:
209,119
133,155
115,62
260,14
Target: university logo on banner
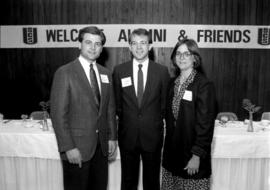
264,36
30,35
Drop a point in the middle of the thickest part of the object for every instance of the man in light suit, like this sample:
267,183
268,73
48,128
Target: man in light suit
83,115
140,93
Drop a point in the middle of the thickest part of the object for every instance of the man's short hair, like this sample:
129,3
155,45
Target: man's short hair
92,30
140,32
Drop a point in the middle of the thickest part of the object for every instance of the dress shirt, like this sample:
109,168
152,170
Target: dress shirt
86,67
135,73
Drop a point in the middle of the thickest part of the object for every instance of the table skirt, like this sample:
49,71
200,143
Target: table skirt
19,173
46,174
241,174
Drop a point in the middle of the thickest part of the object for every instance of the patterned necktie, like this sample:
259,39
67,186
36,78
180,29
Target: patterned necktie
140,85
94,84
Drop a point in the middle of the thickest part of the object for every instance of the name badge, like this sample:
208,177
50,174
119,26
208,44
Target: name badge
104,78
187,95
126,82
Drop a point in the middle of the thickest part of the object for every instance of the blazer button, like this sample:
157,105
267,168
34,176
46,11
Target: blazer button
97,131
140,115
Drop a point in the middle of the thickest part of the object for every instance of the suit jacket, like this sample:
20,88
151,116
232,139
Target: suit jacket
145,122
192,131
76,118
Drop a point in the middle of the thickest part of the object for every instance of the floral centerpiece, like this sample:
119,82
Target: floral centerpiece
44,105
251,108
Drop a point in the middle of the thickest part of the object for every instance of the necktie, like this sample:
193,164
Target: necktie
140,85
94,84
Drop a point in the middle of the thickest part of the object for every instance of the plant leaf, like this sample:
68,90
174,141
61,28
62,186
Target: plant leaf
257,108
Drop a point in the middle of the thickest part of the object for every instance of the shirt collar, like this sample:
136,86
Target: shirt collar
85,62
144,63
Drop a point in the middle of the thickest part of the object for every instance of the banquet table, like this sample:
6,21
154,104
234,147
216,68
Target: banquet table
241,159
29,158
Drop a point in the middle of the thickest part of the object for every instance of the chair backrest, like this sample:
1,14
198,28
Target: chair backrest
38,115
230,115
265,116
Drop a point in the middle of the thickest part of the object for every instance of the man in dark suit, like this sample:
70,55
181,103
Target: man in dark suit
140,90
83,115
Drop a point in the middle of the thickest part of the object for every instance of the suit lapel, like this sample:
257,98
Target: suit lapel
131,89
103,86
82,78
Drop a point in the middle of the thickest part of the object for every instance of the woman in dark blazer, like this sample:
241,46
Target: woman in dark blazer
190,117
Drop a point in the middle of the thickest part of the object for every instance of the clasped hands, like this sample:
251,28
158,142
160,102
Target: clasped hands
193,165
74,155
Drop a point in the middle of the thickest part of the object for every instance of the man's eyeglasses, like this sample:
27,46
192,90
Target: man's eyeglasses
185,55
142,43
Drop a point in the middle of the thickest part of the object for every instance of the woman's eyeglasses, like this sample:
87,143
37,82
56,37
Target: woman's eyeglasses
185,55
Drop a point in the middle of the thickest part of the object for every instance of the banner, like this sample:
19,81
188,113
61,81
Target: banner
163,35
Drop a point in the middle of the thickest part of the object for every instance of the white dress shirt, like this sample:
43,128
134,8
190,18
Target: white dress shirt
135,72
86,67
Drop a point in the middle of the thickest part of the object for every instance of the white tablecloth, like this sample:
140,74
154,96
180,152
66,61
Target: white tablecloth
29,159
233,141
27,139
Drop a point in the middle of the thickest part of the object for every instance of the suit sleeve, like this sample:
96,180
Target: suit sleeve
205,117
165,82
59,101
111,114
117,92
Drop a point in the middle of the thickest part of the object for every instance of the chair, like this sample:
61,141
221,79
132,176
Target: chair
39,115
230,115
265,116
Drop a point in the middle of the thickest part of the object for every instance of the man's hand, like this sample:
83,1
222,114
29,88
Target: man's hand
193,165
112,150
74,156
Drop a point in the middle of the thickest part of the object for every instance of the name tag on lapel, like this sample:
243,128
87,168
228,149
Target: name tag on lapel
126,82
104,78
187,95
